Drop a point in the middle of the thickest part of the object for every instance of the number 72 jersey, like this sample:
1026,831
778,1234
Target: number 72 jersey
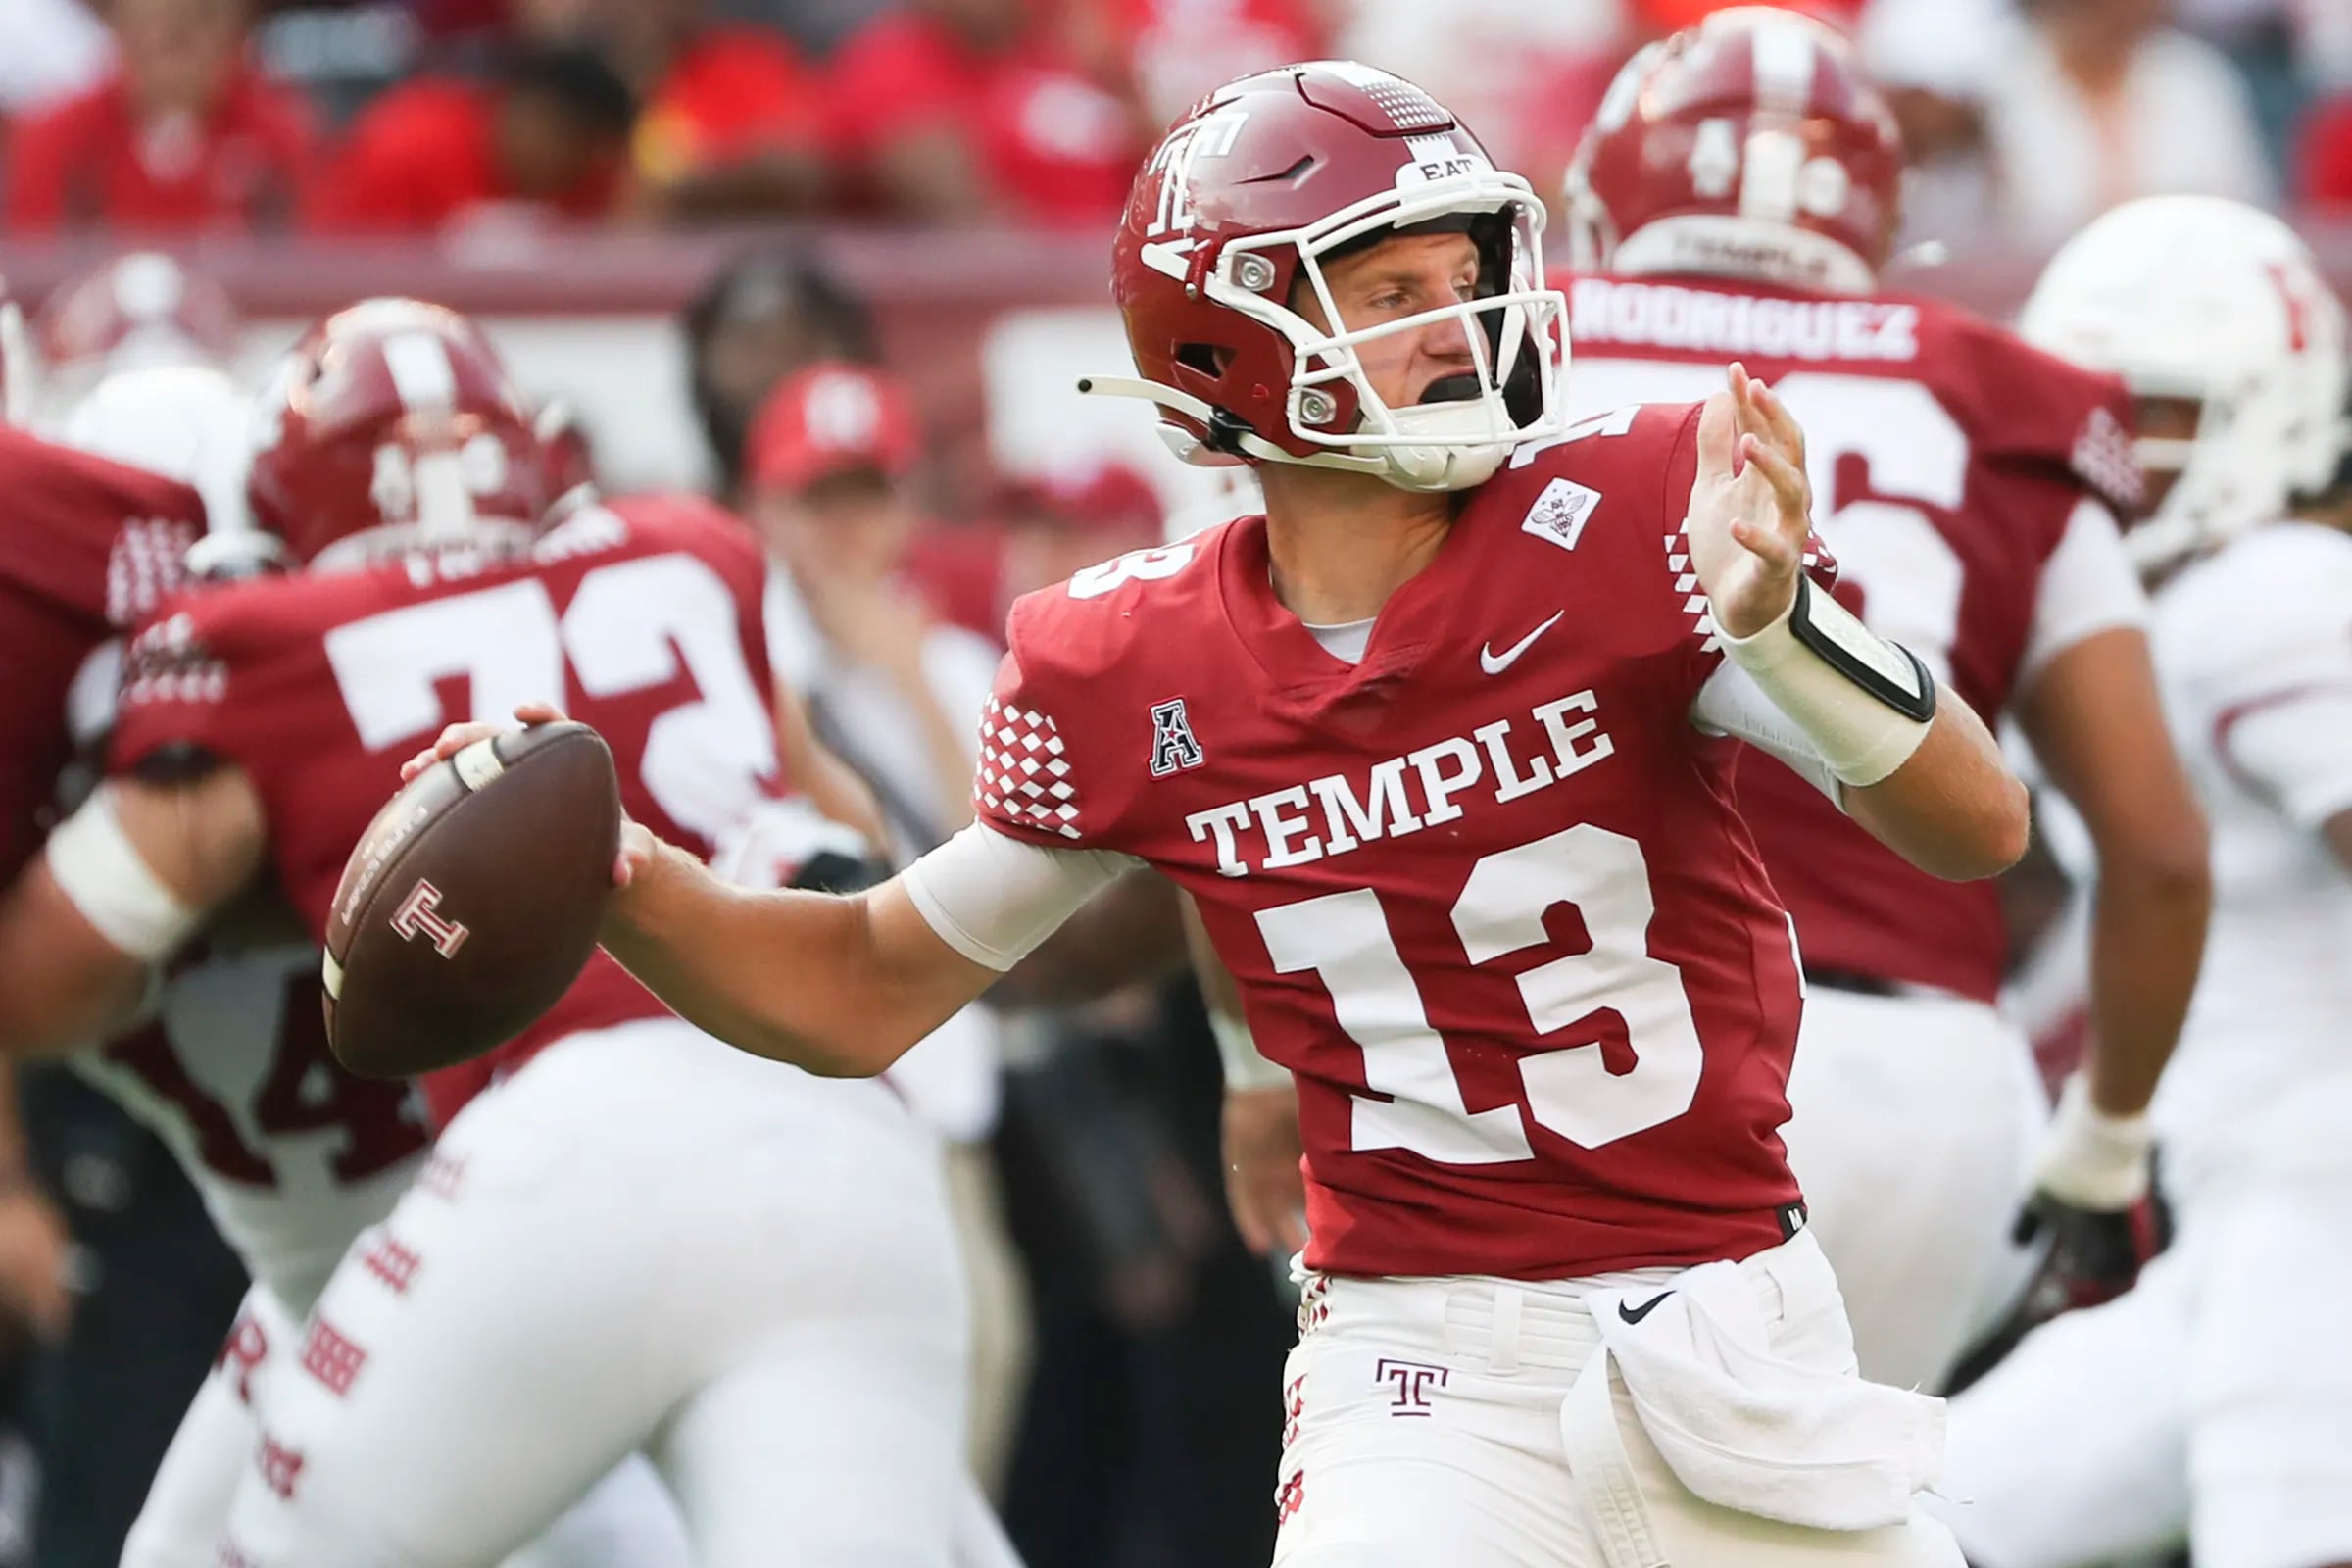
1484,892
643,620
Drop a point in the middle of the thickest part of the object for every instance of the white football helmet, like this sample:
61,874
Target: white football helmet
2208,300
191,423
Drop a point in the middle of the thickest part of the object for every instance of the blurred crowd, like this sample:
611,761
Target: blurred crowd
466,117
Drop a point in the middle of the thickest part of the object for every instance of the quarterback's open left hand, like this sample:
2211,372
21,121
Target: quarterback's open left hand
1751,506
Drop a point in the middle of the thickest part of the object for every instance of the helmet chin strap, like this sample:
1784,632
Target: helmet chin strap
1408,468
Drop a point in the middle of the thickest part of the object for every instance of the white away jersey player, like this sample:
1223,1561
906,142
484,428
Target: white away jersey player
2217,1392
1485,891
2254,648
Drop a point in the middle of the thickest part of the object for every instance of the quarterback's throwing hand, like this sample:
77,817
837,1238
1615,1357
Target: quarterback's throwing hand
636,842
1751,507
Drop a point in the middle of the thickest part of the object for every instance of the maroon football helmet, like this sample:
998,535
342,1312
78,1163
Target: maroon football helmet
570,459
393,426
1246,198
1752,146
138,310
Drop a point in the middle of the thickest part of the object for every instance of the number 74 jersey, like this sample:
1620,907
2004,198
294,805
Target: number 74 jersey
1485,892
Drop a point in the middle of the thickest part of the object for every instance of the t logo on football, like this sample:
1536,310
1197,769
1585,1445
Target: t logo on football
418,912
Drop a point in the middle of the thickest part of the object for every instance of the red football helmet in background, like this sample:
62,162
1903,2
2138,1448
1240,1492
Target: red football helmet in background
1246,198
137,311
570,459
1752,146
392,427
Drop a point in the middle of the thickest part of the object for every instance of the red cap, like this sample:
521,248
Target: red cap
1101,496
832,418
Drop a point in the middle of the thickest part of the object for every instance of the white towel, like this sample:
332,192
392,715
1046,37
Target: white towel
1739,1425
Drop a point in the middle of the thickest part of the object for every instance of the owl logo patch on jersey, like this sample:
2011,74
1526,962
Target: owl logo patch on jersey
1560,513
1173,747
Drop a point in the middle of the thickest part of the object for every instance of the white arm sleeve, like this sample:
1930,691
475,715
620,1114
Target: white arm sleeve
2296,748
1730,702
2088,586
992,898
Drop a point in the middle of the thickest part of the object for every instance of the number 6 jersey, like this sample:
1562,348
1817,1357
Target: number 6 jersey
1484,892
643,619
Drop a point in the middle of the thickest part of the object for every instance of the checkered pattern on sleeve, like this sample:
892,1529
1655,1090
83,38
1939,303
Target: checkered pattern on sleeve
1817,562
1024,777
1685,584
2103,457
144,566
168,663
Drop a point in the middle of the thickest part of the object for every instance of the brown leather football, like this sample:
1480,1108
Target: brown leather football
472,900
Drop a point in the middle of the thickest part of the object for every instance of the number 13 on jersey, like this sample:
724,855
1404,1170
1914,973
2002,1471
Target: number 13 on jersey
1345,940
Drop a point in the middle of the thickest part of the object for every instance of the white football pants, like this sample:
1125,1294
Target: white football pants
644,1242
2214,1397
1423,1424
1912,1128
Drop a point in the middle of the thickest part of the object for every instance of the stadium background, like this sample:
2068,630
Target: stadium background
955,166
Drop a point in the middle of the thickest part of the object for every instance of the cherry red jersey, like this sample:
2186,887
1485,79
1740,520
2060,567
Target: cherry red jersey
91,161
643,619
424,157
91,547
1050,145
1947,460
1487,893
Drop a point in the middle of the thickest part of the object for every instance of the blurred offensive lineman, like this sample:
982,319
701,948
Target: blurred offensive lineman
532,1311
1442,767
229,1065
294,1156
1971,485
2215,1395
90,547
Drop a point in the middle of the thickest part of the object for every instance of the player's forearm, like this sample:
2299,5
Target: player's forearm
795,977
2148,936
63,986
1953,808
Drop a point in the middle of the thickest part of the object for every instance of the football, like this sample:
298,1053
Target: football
472,900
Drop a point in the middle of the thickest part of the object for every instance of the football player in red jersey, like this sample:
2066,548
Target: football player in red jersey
91,545
534,1311
1736,198
1439,747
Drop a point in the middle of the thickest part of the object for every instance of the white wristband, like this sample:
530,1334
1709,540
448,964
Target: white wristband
1245,1069
2090,1159
102,872
1864,702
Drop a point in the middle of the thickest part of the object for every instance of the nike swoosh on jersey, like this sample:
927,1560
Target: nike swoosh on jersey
1494,663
